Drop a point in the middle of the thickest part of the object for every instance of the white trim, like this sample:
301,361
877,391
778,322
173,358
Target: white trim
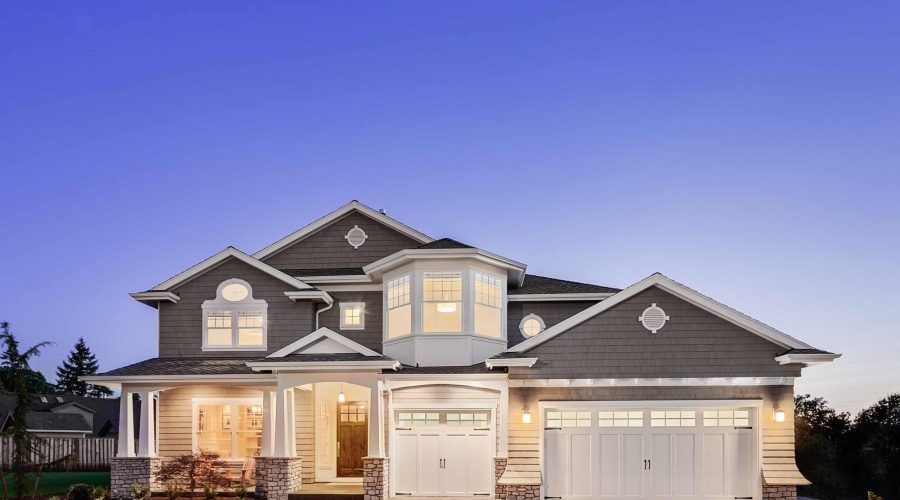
335,215
219,257
248,304
362,315
310,294
807,359
524,362
360,230
360,287
115,381
763,330
534,317
154,296
653,382
559,297
300,366
317,335
337,279
516,270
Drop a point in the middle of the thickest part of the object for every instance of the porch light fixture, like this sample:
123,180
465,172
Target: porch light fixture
446,307
779,414
526,416
341,396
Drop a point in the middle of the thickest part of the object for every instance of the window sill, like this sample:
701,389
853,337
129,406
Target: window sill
353,328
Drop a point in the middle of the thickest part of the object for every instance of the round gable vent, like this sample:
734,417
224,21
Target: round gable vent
356,237
653,318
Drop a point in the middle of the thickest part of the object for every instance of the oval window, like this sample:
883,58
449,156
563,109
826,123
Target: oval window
531,325
235,292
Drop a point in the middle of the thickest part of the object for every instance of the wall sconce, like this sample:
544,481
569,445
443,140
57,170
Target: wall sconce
341,396
526,416
779,414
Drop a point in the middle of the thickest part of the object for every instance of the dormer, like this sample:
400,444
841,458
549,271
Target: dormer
444,303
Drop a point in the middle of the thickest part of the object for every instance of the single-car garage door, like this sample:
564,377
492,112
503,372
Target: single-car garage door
674,452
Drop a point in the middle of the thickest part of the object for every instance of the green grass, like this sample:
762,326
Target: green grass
55,483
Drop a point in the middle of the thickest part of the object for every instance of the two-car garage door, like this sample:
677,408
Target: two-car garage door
702,453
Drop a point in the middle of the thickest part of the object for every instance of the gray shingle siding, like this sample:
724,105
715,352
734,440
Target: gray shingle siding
693,343
181,323
328,248
551,312
371,335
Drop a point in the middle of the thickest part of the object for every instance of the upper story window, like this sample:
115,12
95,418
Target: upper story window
353,315
234,320
488,305
442,303
399,309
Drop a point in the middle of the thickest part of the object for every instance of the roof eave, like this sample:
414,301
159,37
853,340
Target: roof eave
492,363
516,270
807,359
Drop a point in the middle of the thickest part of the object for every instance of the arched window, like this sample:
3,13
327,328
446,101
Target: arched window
234,321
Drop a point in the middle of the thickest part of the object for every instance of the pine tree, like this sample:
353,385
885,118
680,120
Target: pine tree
12,362
81,362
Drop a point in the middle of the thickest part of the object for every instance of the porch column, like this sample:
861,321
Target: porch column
291,423
268,430
147,440
284,421
502,425
376,430
126,425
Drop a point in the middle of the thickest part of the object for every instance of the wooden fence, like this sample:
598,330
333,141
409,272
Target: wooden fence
61,454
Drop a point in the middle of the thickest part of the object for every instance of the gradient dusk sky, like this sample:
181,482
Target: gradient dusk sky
750,150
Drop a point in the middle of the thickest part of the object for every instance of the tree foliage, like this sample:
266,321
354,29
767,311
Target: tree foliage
10,356
81,362
190,471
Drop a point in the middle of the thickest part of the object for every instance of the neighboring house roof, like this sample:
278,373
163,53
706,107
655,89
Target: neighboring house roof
444,243
335,215
56,422
677,289
105,410
534,284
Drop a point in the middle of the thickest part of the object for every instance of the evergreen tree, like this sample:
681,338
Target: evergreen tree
13,364
81,362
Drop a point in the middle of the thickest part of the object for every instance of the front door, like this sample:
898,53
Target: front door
352,438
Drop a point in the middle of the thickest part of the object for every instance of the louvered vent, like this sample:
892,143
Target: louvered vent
653,318
356,237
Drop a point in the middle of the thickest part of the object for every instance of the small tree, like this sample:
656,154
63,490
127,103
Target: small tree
876,442
81,362
202,468
10,355
820,443
23,441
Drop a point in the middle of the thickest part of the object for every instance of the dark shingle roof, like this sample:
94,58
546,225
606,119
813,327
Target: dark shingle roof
185,366
805,351
104,409
444,243
511,355
330,271
48,421
541,284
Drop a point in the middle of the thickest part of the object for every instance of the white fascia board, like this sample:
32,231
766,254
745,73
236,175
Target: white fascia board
653,382
499,362
559,297
219,257
807,359
343,278
318,335
310,294
403,256
115,381
364,287
300,366
335,215
154,296
696,298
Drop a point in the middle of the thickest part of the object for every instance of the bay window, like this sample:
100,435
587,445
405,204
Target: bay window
442,302
399,316
232,430
488,305
234,320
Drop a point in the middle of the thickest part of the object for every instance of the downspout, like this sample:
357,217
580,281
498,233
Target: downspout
323,309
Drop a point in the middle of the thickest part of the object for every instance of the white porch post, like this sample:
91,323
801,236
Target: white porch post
503,424
126,425
284,419
291,423
376,430
268,434
147,440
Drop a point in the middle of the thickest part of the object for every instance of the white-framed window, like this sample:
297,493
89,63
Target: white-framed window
418,419
488,305
468,419
399,307
531,325
620,419
726,418
231,428
560,419
442,302
673,418
234,320
353,315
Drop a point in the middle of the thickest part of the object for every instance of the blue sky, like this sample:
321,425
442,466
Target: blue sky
746,149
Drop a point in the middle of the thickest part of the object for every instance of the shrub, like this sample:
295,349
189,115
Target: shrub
240,491
192,470
79,492
173,489
99,493
210,491
139,491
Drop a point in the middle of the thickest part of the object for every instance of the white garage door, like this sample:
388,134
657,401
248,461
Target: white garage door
445,453
702,453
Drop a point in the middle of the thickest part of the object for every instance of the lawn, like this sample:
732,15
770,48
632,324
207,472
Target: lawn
55,483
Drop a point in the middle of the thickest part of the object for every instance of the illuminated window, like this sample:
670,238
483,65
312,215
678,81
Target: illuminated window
442,303
531,325
234,320
620,419
726,418
353,315
488,305
467,419
399,316
559,419
418,419
233,431
673,418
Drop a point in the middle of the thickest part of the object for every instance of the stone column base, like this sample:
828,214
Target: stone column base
779,492
125,471
522,491
376,471
276,477
499,469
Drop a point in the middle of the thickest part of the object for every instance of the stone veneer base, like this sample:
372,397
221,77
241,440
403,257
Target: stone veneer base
779,492
125,471
276,477
522,491
376,471
499,469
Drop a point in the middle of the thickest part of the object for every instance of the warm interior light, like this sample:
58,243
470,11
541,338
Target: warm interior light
446,307
779,415
526,417
341,396
256,409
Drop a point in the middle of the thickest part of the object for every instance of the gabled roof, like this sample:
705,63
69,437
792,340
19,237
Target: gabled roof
694,297
445,243
54,422
337,214
539,287
318,336
218,258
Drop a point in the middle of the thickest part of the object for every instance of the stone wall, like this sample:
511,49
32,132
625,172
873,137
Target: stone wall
376,471
499,468
125,471
276,477
522,491
779,492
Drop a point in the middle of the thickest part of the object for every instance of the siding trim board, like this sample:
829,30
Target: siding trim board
205,265
653,382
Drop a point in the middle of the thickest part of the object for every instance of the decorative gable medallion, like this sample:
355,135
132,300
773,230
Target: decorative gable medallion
356,237
653,318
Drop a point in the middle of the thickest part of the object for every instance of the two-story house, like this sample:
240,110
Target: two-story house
359,351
